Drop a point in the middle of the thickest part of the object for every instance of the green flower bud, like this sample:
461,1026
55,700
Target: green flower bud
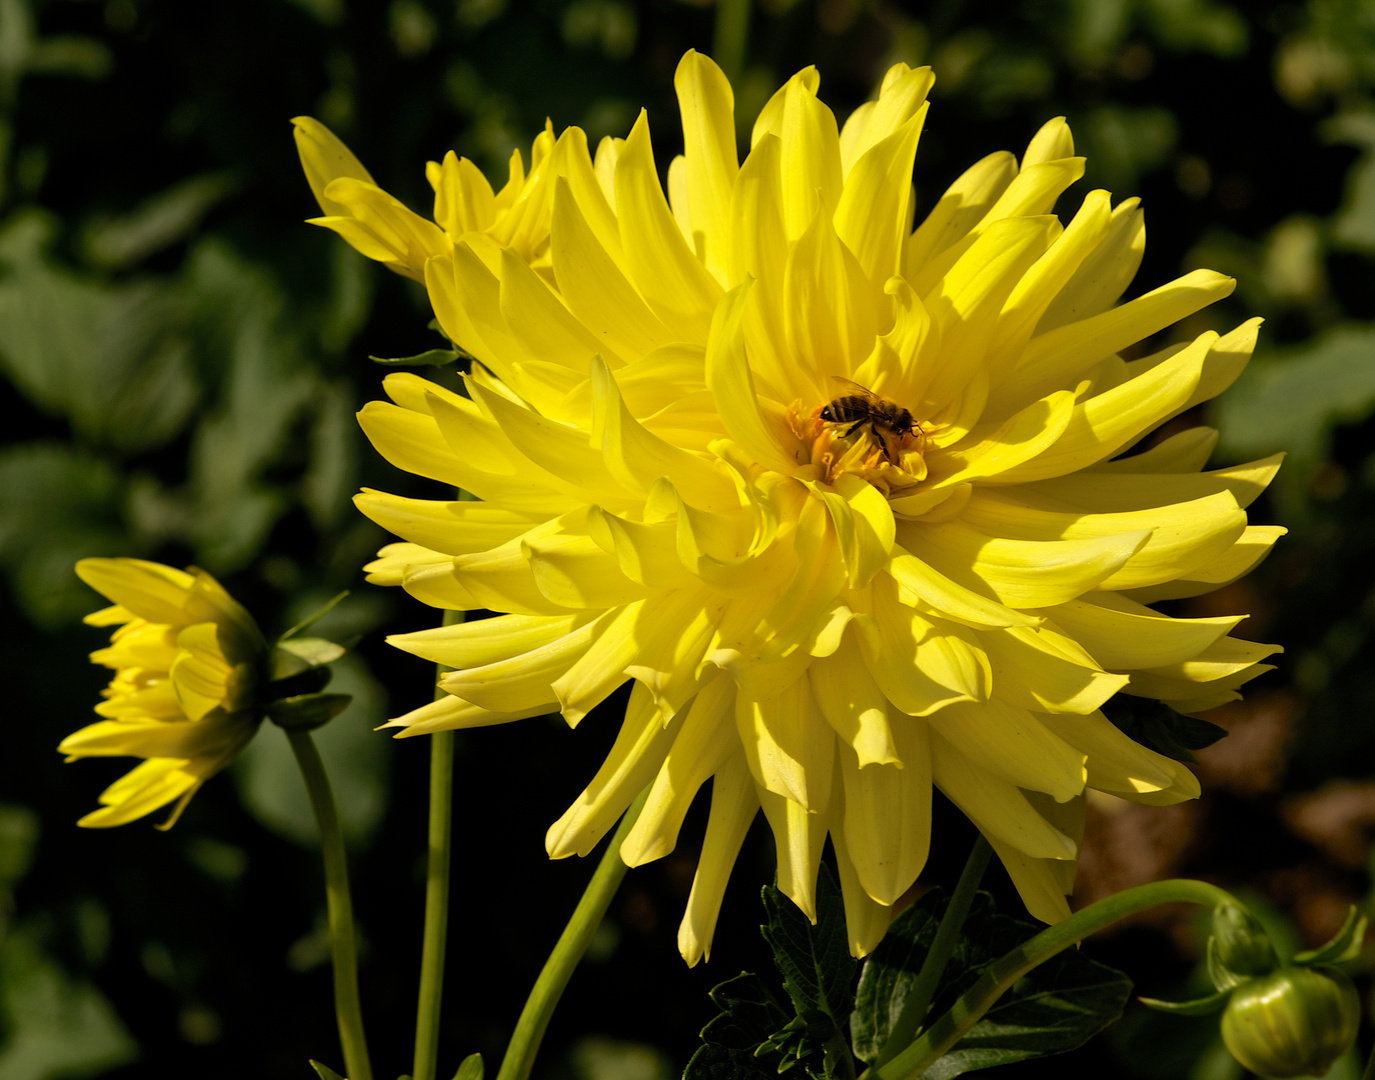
1293,1022
1240,945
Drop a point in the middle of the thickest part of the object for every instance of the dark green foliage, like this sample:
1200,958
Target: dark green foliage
1058,1006
1156,725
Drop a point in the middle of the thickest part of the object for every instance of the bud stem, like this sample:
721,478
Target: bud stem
967,1011
342,937
572,943
919,998
434,939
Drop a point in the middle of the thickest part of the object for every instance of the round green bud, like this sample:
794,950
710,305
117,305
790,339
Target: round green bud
1293,1022
1242,945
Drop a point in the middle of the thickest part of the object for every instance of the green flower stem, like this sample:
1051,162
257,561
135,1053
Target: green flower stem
919,998
728,41
576,936
435,938
966,1012
342,936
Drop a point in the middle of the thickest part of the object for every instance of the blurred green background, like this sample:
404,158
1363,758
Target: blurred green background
181,360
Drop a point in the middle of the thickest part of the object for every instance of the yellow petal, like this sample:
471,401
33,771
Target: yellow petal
637,458
789,746
1059,358
928,590
811,157
853,705
702,745
594,287
324,158
799,838
1104,275
708,108
678,288
919,668
526,680
463,199
1001,812
887,825
732,386
450,526
477,642
1012,744
1043,671
734,805
1020,573
959,209
1122,634
451,713
829,314
200,675
147,589
640,747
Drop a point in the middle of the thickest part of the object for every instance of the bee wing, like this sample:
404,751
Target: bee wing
853,387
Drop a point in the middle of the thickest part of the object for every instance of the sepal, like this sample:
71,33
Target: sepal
1344,946
1239,948
471,1068
306,712
1204,1006
323,1071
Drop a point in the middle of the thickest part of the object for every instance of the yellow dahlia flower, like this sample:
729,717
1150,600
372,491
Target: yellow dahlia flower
465,206
185,657
857,508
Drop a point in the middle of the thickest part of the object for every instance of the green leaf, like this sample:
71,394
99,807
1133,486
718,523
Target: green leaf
1056,1007
306,712
315,616
269,781
18,842
756,1036
58,1025
471,1068
1290,400
749,1015
57,505
1204,1006
324,1072
114,361
1156,725
890,971
1344,946
429,358
818,976
308,652
160,221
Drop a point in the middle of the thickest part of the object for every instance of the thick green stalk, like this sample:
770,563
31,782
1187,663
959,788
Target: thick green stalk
729,37
966,1012
343,938
558,969
434,941
919,998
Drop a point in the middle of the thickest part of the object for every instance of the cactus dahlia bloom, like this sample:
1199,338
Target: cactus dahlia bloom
857,508
185,656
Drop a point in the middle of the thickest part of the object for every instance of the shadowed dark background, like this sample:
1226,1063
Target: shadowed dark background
182,358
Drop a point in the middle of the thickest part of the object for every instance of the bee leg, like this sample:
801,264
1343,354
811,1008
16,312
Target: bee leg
853,428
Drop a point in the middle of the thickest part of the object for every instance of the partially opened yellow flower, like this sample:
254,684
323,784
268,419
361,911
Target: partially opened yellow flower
465,206
859,509
185,657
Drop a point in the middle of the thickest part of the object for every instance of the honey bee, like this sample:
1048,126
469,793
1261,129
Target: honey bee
889,423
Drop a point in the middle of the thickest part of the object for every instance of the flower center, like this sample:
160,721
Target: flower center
863,434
